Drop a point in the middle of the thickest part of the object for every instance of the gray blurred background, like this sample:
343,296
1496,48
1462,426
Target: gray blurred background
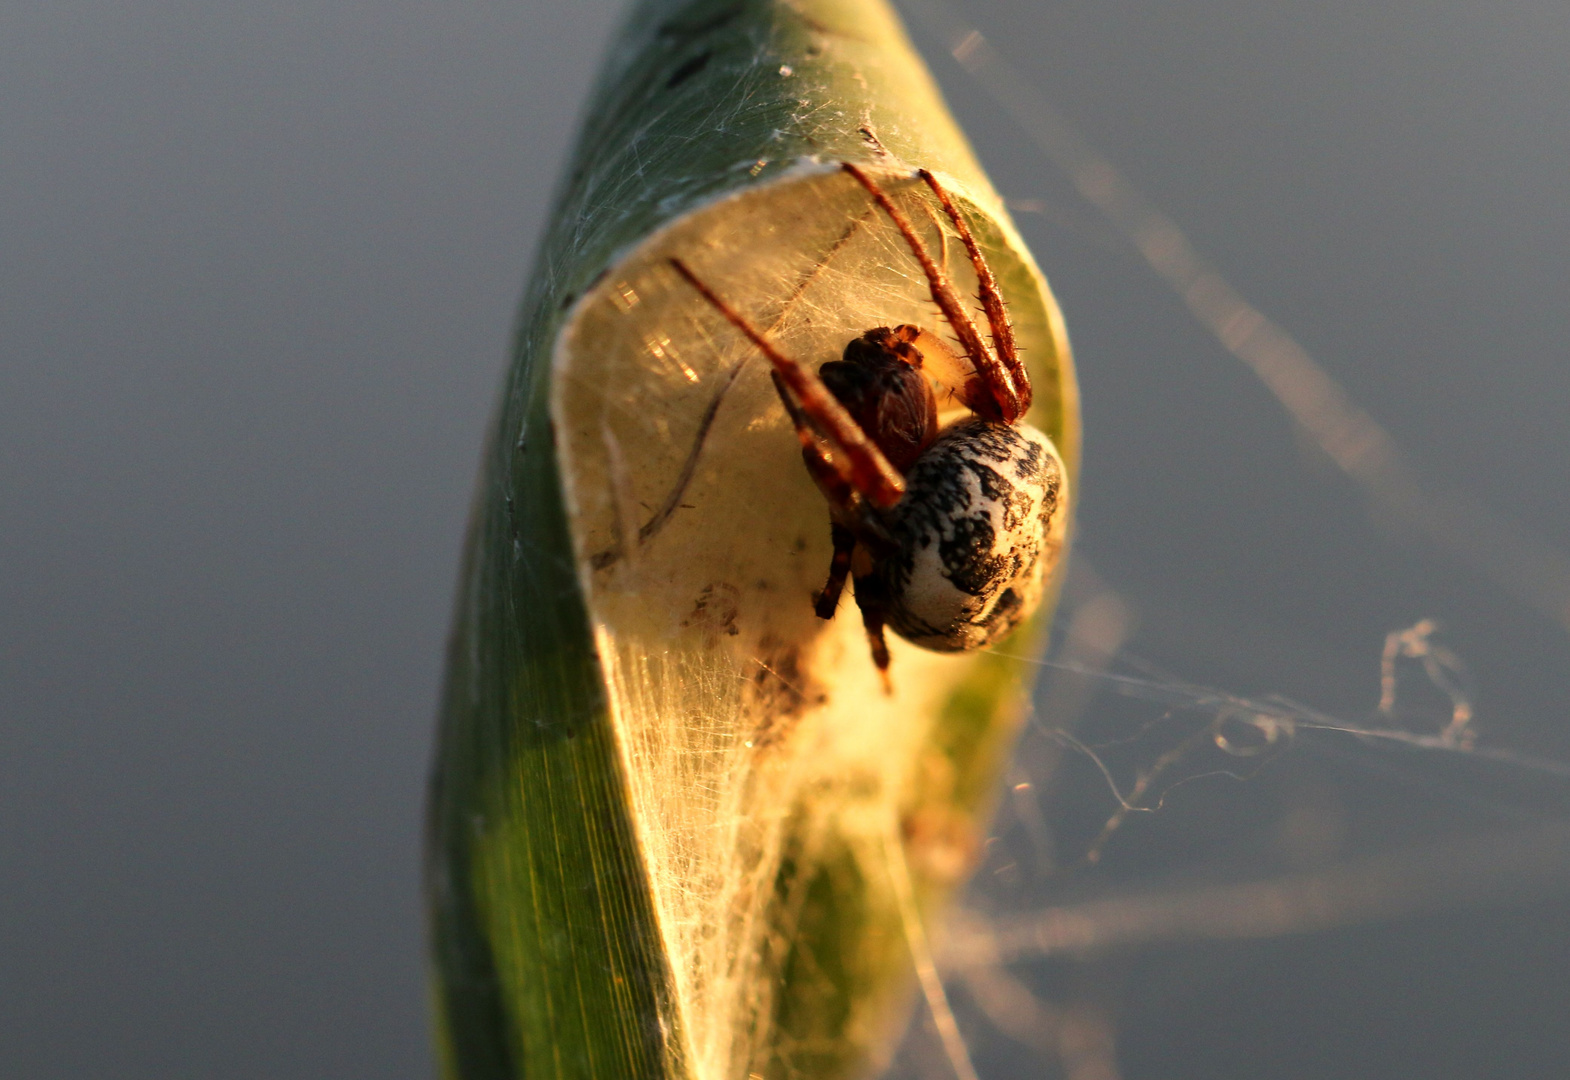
260,266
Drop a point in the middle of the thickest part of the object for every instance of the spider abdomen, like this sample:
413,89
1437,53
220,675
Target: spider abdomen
974,535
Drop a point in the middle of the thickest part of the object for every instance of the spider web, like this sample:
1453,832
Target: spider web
1149,814
1147,808
758,739
1404,812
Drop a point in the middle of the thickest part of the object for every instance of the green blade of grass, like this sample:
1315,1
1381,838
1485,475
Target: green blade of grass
672,812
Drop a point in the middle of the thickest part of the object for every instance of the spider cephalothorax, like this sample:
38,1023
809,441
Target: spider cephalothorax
945,531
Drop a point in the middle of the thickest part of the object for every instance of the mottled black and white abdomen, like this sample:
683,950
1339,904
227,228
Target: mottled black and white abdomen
976,536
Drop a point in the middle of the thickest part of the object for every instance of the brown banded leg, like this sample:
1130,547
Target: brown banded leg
821,466
845,501
991,297
851,453
872,619
1003,401
839,570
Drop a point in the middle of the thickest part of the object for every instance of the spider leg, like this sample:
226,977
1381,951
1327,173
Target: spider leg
839,569
991,298
847,506
1006,402
872,619
850,454
672,503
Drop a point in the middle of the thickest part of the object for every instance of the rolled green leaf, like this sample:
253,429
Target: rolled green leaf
673,813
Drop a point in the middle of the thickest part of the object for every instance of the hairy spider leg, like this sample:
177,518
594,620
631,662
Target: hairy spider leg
991,297
844,505
816,453
690,466
667,509
852,455
839,569
1004,401
872,620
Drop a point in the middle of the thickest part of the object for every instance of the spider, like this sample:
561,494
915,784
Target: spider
943,530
